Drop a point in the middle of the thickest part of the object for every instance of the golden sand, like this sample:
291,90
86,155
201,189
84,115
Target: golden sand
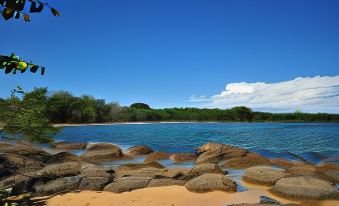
167,196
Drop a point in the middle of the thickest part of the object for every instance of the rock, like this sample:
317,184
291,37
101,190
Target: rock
330,165
156,156
95,178
60,170
103,146
136,166
128,184
69,145
330,175
220,153
18,163
268,200
165,182
177,173
26,150
63,157
18,183
65,184
182,157
207,147
152,169
263,175
304,169
207,168
138,151
210,182
101,155
144,172
305,187
250,160
280,162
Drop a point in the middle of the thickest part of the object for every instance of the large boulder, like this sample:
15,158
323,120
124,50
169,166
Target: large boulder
144,172
166,182
151,169
69,145
263,175
19,183
156,156
206,168
219,153
126,184
102,155
95,178
210,182
138,151
25,149
65,184
102,146
251,159
178,173
182,157
62,157
19,163
305,187
328,174
60,170
208,146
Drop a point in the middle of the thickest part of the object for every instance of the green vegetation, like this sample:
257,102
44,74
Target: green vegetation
26,117
63,107
140,106
15,9
14,63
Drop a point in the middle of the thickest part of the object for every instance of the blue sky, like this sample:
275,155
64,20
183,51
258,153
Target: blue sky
164,51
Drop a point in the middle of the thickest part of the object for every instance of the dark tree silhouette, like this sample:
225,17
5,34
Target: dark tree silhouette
16,8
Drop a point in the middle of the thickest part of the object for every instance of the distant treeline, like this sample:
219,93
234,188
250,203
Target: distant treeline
63,107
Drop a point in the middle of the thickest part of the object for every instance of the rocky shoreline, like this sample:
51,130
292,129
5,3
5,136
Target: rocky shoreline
29,169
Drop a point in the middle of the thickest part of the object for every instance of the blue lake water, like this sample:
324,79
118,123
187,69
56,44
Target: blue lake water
309,140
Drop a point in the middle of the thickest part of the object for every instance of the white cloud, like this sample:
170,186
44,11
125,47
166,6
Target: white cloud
310,94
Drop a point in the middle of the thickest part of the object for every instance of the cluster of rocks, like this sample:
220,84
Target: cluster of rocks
27,168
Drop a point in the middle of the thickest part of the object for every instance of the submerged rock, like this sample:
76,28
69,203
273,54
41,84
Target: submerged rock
69,145
182,157
156,156
305,187
210,182
280,162
251,159
128,184
263,175
138,151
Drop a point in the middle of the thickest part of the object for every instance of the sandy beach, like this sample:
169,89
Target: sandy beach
170,196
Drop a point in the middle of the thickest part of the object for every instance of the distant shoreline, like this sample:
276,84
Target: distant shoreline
163,122
120,123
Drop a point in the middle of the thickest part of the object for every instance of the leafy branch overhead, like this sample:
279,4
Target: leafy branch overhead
13,63
16,8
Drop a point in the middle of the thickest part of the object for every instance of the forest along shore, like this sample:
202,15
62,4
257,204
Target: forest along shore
29,169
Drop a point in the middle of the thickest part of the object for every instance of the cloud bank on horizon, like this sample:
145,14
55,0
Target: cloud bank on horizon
308,94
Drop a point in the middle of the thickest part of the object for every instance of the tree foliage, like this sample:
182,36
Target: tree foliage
13,63
140,106
16,8
26,117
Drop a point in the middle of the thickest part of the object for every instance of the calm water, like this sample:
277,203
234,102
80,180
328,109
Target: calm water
270,139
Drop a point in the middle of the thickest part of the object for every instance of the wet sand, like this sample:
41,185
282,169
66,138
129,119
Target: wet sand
169,196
